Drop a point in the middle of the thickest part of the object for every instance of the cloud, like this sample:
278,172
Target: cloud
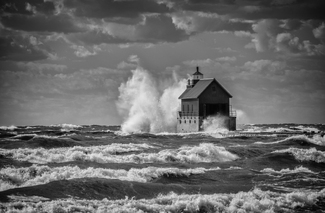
258,9
227,59
272,35
282,2
53,95
42,67
42,23
133,62
27,7
81,51
19,48
134,59
94,37
265,67
115,9
159,28
153,29
319,32
224,68
291,24
285,42
125,65
195,22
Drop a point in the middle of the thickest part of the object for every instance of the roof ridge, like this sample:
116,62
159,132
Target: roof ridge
199,87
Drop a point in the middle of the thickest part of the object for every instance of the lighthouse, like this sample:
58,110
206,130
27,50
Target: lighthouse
203,98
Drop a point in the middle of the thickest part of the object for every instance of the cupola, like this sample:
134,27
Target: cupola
195,78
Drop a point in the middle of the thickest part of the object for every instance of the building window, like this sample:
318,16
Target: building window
195,121
213,88
188,108
190,121
180,121
192,107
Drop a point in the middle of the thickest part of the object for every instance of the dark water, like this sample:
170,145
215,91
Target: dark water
67,168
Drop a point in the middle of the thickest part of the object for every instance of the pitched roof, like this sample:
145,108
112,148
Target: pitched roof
199,87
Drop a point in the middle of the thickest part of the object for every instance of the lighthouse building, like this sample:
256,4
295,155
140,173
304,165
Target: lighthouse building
204,97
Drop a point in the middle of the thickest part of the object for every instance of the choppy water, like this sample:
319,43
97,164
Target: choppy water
67,168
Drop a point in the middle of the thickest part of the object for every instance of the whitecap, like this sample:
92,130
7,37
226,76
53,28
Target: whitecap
252,201
12,127
287,171
311,154
11,177
316,139
204,152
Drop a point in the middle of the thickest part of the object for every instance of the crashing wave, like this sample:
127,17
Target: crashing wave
41,155
287,171
11,128
204,152
316,139
311,154
35,175
252,201
306,128
300,128
67,126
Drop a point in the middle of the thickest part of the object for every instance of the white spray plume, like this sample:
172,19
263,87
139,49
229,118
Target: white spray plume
215,124
147,109
242,117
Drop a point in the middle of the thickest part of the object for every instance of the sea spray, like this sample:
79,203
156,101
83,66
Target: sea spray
215,124
241,118
144,107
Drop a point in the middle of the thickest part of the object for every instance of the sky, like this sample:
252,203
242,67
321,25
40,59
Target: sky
65,61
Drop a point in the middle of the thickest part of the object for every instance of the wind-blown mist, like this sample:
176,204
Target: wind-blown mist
214,124
147,108
242,117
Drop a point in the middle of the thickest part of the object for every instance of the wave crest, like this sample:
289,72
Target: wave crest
287,171
204,152
316,139
311,154
30,176
252,201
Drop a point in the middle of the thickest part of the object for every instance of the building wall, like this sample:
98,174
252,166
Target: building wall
189,124
190,105
213,94
232,123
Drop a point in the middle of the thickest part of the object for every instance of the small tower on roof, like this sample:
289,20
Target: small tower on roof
195,78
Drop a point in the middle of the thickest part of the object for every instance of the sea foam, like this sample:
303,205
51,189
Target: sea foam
316,139
311,154
252,201
12,127
287,171
30,176
204,152
41,155
300,128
